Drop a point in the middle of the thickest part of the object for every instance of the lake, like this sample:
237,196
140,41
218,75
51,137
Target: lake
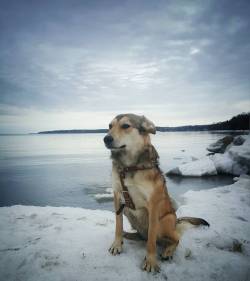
69,169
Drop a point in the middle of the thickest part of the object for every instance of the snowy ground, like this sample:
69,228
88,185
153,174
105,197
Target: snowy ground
51,243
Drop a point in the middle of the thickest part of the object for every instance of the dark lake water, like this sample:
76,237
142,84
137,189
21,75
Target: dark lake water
69,169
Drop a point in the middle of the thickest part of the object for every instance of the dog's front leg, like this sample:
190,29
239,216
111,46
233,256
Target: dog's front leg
116,247
150,263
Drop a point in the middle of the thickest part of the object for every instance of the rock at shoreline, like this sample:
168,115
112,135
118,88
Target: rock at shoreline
220,145
239,140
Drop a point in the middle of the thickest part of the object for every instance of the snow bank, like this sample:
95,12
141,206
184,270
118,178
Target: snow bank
235,161
198,168
51,243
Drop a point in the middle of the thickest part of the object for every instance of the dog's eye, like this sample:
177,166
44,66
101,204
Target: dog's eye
110,126
125,126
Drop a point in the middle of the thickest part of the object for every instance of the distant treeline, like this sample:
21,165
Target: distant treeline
239,122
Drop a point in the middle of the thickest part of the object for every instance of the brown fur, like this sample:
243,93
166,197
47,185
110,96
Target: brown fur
154,218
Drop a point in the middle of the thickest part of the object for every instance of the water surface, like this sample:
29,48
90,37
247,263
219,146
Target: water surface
69,169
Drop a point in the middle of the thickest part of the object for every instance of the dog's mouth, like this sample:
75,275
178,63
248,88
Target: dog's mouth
115,148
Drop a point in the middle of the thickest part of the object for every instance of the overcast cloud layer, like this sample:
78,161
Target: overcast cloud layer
76,64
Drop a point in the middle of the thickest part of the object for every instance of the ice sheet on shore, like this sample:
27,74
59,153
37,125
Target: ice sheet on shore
235,161
61,243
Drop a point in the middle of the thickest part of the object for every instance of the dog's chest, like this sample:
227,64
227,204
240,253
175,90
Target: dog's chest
139,189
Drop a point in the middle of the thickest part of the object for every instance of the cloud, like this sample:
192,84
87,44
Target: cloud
164,58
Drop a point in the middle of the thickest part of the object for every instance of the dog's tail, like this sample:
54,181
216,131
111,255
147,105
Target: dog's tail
185,223
182,224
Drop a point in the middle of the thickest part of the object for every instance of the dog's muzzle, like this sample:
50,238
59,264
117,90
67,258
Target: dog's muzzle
109,143
108,140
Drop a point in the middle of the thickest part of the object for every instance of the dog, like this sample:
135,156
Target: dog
139,187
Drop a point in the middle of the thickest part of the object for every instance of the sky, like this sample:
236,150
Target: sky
77,64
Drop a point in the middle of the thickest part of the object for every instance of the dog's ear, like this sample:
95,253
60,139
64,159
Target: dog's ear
147,126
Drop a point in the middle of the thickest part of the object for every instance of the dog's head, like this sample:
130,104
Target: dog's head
128,132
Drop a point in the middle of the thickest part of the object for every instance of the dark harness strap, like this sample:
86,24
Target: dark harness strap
122,174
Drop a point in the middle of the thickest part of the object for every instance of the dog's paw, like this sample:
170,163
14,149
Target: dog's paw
166,257
116,248
150,265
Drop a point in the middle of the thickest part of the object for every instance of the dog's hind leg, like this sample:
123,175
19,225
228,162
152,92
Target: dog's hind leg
168,230
150,263
169,251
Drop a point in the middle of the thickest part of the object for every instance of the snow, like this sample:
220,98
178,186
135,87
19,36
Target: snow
235,161
62,243
202,167
102,197
241,154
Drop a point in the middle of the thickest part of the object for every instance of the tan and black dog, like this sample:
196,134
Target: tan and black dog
140,187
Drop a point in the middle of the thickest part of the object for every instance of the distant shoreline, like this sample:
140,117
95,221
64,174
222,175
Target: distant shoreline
244,132
240,122
102,131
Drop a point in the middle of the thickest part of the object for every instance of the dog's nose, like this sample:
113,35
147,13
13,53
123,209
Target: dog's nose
108,139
